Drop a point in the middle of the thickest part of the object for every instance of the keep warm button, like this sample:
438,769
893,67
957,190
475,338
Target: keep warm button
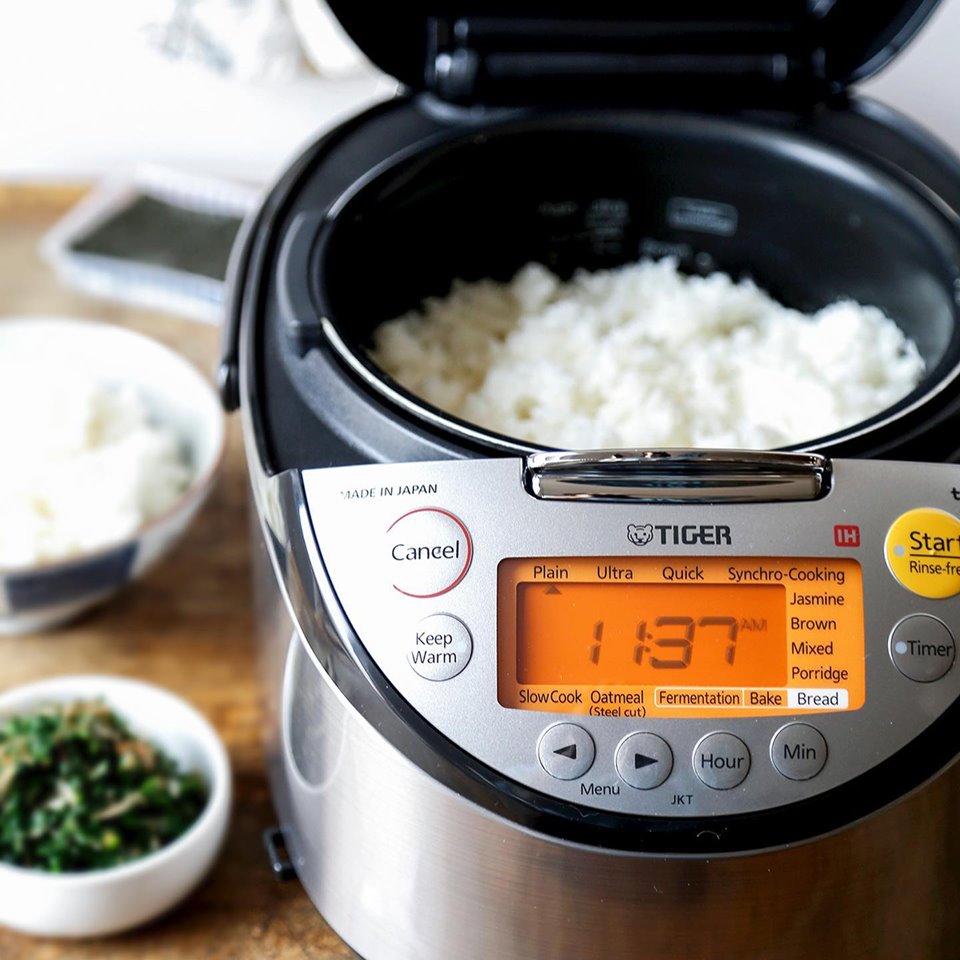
428,552
441,648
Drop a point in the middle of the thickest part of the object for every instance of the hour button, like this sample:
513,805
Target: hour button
721,761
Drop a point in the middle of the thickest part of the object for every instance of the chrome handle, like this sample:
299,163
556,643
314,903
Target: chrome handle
677,476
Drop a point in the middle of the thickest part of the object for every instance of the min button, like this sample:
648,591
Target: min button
721,761
922,648
798,751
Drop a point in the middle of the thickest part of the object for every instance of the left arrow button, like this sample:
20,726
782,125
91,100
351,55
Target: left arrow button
566,751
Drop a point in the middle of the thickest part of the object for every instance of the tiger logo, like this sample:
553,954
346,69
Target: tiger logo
640,534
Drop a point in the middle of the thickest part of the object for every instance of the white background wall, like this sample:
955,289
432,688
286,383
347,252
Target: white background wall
82,93
85,90
924,81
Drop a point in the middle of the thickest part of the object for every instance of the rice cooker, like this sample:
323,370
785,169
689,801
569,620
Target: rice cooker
552,705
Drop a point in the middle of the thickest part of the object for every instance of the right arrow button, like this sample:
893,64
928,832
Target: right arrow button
644,760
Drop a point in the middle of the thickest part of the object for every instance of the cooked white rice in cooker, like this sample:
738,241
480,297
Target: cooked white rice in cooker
644,355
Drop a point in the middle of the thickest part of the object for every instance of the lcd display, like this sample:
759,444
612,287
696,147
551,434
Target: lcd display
680,636
637,633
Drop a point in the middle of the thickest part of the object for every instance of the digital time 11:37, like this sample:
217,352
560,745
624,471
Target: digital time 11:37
673,649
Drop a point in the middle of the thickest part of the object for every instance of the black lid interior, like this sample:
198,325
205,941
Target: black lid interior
835,42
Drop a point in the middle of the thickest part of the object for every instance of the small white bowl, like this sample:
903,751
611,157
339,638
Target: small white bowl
176,395
101,902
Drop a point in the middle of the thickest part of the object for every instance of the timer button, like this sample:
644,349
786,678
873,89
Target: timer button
922,550
798,751
644,760
721,761
440,648
922,648
566,751
428,552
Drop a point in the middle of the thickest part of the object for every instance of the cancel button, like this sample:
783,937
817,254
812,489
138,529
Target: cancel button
428,552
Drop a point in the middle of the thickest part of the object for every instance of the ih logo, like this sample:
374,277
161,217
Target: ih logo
640,534
846,535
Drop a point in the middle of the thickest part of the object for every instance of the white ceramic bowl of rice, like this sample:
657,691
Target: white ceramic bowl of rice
111,443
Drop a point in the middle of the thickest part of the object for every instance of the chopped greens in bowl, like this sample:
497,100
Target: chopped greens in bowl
105,823
79,791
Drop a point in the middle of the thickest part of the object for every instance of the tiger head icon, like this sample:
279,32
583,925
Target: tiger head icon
640,534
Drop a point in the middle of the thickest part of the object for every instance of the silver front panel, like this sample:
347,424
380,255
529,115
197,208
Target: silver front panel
354,508
405,869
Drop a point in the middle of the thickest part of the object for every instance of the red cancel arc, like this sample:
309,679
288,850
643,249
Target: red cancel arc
466,563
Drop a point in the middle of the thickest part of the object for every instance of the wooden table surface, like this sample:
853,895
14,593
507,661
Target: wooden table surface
187,626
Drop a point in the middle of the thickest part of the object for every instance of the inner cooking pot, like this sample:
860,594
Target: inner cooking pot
808,221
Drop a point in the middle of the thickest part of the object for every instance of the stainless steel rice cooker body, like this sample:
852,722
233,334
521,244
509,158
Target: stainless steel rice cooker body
410,846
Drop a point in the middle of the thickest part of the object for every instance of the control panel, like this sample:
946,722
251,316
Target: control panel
685,640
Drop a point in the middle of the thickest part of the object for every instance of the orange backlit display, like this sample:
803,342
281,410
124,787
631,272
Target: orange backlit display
638,633
680,636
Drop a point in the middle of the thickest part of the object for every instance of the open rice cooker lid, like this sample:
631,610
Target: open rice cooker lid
743,50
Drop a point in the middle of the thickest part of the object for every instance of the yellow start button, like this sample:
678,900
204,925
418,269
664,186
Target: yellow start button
922,550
